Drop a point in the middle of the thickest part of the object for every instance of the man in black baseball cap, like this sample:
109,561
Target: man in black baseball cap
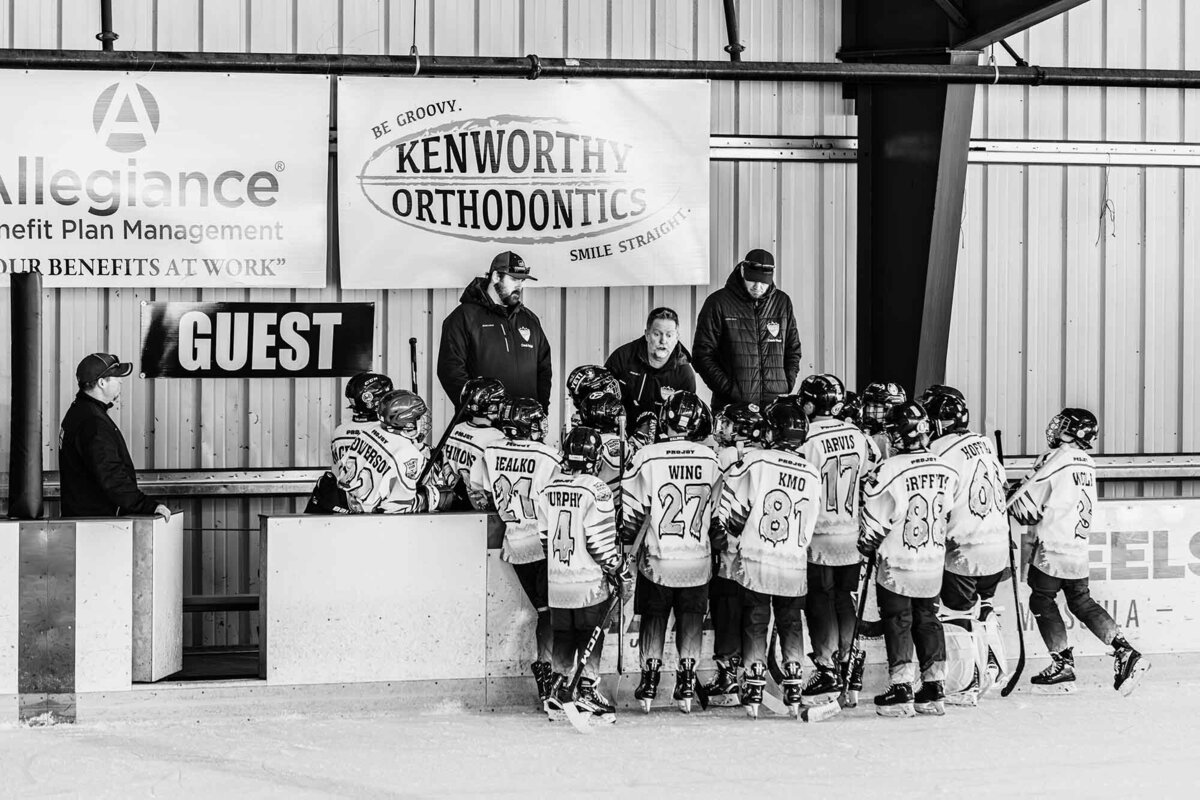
493,335
97,474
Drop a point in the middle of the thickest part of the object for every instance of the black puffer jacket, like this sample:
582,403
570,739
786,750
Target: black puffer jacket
746,350
98,479
483,339
643,387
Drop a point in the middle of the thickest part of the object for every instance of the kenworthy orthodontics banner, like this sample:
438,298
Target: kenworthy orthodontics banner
593,183
168,180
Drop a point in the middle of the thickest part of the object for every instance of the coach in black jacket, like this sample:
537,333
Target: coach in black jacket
492,335
652,367
747,347
97,474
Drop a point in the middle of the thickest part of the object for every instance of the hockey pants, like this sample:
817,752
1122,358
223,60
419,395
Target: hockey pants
959,593
1044,588
830,610
725,608
756,618
573,629
912,623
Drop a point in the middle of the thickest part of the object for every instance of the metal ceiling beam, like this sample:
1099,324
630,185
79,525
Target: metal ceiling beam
993,20
951,10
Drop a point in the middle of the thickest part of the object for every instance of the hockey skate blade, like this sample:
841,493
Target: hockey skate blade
966,699
1054,688
936,708
1135,677
821,713
849,699
900,710
646,705
724,700
685,705
815,700
752,710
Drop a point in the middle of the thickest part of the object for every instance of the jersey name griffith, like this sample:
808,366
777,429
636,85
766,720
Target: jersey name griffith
915,483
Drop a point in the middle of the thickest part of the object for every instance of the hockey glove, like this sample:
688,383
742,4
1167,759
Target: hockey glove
866,548
645,429
620,579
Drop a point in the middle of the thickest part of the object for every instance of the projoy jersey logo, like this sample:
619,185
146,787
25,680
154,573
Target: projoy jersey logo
125,117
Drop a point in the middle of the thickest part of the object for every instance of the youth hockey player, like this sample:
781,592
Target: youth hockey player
851,409
737,429
905,506
481,399
977,540
1057,506
769,506
603,412
668,490
363,391
509,477
586,380
577,525
877,400
842,454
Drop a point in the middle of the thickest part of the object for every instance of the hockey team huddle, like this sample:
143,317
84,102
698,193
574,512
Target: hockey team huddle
756,512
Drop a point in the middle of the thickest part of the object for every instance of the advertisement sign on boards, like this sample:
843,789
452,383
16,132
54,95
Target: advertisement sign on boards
169,180
593,183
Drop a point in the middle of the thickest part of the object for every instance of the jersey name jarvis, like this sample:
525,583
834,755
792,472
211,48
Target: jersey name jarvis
906,504
977,541
772,498
1063,500
378,471
669,490
512,473
842,454
577,523
464,447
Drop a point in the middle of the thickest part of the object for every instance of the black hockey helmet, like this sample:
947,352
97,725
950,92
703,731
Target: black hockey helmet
582,449
788,422
482,397
948,413
601,410
907,427
851,409
403,412
877,399
364,391
590,378
937,389
522,418
1073,425
822,395
742,422
684,415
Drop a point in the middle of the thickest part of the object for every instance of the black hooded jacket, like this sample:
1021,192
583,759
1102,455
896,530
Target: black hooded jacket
483,339
98,479
746,350
642,386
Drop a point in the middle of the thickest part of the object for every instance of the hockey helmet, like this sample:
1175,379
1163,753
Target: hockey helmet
403,412
582,449
851,409
684,415
482,397
937,389
1073,425
822,395
788,422
877,399
907,427
364,391
739,422
948,413
601,410
590,378
522,418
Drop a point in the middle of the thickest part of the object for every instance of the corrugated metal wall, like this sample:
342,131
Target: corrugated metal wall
1055,302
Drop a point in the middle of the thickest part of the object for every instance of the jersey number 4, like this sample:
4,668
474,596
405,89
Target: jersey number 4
564,542
691,500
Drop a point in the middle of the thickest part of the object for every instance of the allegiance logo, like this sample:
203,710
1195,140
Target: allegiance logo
509,179
125,117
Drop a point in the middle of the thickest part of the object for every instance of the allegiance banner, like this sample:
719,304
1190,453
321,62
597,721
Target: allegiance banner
169,180
256,340
593,183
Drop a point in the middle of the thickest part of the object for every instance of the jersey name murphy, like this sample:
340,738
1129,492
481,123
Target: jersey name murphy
565,499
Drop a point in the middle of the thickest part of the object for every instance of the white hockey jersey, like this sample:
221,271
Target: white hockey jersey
577,523
511,474
726,458
464,447
906,504
773,500
977,541
378,471
669,489
346,433
610,460
842,454
1061,500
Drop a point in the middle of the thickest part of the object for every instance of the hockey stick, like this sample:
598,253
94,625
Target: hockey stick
412,361
436,453
619,508
858,619
577,718
1016,579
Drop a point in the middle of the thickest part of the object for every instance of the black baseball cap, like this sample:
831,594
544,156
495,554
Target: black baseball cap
101,365
759,266
509,263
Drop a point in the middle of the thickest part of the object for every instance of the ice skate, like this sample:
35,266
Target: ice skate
995,670
968,696
1128,667
930,700
1059,677
822,688
897,701
685,684
647,690
543,674
854,679
792,685
557,694
722,690
591,701
752,689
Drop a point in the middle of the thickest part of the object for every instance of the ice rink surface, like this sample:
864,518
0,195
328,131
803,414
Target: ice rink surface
1093,743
